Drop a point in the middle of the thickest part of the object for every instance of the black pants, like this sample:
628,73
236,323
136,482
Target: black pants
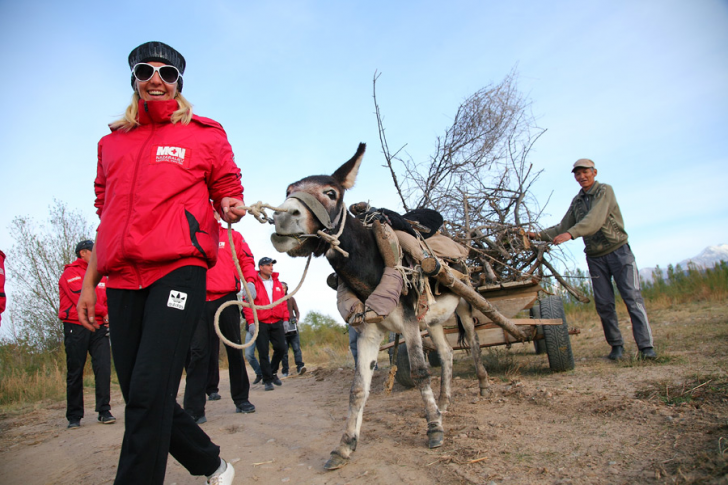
198,363
78,342
270,333
293,342
151,330
213,371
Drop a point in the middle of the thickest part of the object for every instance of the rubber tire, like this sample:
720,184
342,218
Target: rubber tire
540,344
434,358
558,343
403,375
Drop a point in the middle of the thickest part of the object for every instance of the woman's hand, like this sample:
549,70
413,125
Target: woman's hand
229,211
87,301
87,308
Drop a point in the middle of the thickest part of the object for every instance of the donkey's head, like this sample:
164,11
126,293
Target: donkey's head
314,203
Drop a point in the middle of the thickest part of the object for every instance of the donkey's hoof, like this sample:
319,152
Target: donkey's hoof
436,438
335,462
486,391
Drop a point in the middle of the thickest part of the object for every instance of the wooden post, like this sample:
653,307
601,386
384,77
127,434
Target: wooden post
446,277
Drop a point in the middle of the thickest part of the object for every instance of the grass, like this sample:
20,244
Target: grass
28,376
695,390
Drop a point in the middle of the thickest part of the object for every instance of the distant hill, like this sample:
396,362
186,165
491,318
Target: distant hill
707,258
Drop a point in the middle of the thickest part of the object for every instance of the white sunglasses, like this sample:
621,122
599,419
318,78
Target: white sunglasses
143,72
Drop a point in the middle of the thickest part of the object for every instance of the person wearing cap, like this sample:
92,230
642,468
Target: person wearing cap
157,172
269,289
595,216
79,341
223,284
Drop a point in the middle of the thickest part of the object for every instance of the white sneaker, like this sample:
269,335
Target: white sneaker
224,478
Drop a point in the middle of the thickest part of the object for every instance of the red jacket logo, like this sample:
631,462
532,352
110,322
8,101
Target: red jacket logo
176,155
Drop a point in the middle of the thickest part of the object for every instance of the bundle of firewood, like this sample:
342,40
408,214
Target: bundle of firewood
479,178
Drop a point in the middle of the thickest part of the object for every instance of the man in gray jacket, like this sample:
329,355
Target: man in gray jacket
594,215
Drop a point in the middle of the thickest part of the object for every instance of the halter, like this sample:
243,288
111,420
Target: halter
318,210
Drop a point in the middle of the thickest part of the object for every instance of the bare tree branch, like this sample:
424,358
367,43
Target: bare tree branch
35,264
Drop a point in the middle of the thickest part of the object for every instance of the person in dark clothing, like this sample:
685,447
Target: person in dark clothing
250,353
222,286
80,341
293,341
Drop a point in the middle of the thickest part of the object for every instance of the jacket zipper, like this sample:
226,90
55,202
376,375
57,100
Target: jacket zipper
133,194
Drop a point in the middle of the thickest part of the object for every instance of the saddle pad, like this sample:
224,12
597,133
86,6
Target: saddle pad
444,247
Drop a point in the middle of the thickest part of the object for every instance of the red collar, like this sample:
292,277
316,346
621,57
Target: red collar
156,111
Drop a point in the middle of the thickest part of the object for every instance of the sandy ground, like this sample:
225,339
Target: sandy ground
601,423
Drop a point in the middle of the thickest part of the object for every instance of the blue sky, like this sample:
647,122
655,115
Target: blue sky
641,87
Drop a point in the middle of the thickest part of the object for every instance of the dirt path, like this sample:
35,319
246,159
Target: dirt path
602,423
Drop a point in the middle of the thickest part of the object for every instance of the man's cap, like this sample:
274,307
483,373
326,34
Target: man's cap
157,52
583,163
266,260
87,244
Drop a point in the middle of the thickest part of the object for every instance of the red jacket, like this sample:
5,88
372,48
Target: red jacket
3,300
69,287
275,314
153,187
223,278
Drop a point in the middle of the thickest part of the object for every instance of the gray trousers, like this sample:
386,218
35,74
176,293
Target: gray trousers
250,351
620,265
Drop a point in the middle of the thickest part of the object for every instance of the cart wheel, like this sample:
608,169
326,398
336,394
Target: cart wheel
540,344
403,375
558,344
434,358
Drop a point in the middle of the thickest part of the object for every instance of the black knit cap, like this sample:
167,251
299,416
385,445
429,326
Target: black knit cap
157,52
87,244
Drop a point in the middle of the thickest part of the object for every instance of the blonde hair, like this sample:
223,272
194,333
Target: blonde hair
129,121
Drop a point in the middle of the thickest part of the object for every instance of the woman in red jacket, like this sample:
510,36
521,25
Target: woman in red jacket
157,171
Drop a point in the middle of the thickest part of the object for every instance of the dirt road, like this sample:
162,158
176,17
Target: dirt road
602,423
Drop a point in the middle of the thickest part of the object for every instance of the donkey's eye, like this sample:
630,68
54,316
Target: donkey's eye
331,194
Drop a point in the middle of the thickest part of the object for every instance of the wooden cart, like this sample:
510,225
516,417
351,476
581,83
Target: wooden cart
548,327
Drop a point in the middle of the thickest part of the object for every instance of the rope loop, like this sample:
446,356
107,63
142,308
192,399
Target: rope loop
258,211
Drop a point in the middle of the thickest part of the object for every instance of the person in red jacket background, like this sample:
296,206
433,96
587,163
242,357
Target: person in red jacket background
156,174
268,290
79,341
3,299
223,285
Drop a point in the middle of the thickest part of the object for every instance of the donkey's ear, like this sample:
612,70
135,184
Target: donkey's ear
346,174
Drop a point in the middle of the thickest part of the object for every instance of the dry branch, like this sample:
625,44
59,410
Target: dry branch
480,178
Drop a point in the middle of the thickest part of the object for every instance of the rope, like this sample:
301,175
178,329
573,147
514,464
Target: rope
258,211
334,240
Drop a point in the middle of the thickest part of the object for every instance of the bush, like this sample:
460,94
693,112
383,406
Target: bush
677,286
681,286
324,341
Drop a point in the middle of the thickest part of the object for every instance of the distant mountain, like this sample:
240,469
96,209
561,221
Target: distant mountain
709,256
706,259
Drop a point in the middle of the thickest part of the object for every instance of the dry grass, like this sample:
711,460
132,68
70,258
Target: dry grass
328,355
18,387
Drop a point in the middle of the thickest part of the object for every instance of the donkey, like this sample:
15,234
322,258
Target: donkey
317,203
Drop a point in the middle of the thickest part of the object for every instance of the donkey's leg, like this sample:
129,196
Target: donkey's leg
367,351
421,376
465,313
444,350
